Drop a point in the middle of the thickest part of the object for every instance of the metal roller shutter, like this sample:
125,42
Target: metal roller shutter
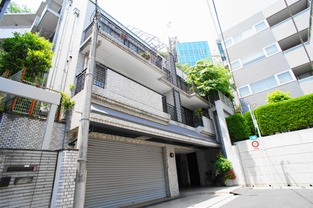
121,174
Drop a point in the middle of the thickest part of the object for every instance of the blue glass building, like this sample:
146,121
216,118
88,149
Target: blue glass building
191,52
221,50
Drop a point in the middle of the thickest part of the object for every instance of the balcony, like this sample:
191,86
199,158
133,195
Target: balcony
47,18
154,71
286,28
278,12
306,85
297,56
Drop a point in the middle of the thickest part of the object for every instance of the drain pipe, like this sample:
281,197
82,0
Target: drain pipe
83,131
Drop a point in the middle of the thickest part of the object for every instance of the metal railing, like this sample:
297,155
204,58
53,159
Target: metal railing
135,44
98,78
189,118
108,27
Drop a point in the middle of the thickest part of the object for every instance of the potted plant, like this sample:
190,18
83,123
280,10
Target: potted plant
224,169
146,55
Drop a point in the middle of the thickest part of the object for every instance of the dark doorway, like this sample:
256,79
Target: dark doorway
187,170
193,169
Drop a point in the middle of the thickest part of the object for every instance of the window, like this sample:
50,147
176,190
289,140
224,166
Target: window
229,42
243,91
99,76
253,59
284,77
236,65
260,26
272,49
263,84
237,38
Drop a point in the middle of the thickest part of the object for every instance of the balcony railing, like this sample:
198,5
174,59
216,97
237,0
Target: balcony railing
188,116
98,78
108,27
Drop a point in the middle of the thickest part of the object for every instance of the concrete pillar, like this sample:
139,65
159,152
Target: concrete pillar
170,172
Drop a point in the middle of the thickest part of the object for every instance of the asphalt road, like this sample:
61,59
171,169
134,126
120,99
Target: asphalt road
272,198
243,198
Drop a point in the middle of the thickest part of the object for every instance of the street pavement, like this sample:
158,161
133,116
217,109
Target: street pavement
238,197
272,198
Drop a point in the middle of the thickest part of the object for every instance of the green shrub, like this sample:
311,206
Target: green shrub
278,96
248,118
238,127
222,164
285,116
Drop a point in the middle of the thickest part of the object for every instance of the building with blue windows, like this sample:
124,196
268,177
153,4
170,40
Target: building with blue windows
191,52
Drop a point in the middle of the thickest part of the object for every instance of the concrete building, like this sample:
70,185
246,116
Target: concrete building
146,140
271,51
191,52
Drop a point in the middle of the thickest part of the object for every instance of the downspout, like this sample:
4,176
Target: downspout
57,60
69,52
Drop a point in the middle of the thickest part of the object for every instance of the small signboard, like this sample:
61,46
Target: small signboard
255,144
253,137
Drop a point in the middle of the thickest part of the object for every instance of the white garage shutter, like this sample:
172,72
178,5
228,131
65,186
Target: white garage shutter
121,174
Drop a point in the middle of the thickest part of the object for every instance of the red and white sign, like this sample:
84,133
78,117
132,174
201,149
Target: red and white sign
255,144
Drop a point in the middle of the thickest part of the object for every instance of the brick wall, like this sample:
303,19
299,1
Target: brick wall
22,132
63,193
31,187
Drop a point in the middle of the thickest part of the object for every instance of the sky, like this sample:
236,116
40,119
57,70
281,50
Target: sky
187,20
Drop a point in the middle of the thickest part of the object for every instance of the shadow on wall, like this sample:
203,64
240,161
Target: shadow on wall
289,180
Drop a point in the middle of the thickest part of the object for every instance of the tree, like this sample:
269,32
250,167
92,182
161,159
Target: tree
15,8
208,76
278,96
182,67
29,51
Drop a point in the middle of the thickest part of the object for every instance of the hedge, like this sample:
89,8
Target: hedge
238,127
286,116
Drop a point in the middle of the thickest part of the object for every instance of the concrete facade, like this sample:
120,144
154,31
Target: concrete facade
280,160
271,51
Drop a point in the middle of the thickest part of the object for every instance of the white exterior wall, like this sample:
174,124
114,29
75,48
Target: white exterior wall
286,161
67,45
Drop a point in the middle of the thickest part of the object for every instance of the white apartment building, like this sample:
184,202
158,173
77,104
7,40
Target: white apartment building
271,51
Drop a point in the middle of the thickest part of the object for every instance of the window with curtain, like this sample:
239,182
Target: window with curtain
260,26
284,77
272,49
263,84
243,91
236,65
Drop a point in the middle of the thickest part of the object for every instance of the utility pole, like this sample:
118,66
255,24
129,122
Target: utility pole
83,131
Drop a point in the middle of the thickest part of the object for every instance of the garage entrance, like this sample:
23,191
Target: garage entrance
121,174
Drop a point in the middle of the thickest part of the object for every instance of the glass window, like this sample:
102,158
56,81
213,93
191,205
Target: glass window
237,38
260,26
253,59
284,77
228,42
263,84
243,91
272,49
236,65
